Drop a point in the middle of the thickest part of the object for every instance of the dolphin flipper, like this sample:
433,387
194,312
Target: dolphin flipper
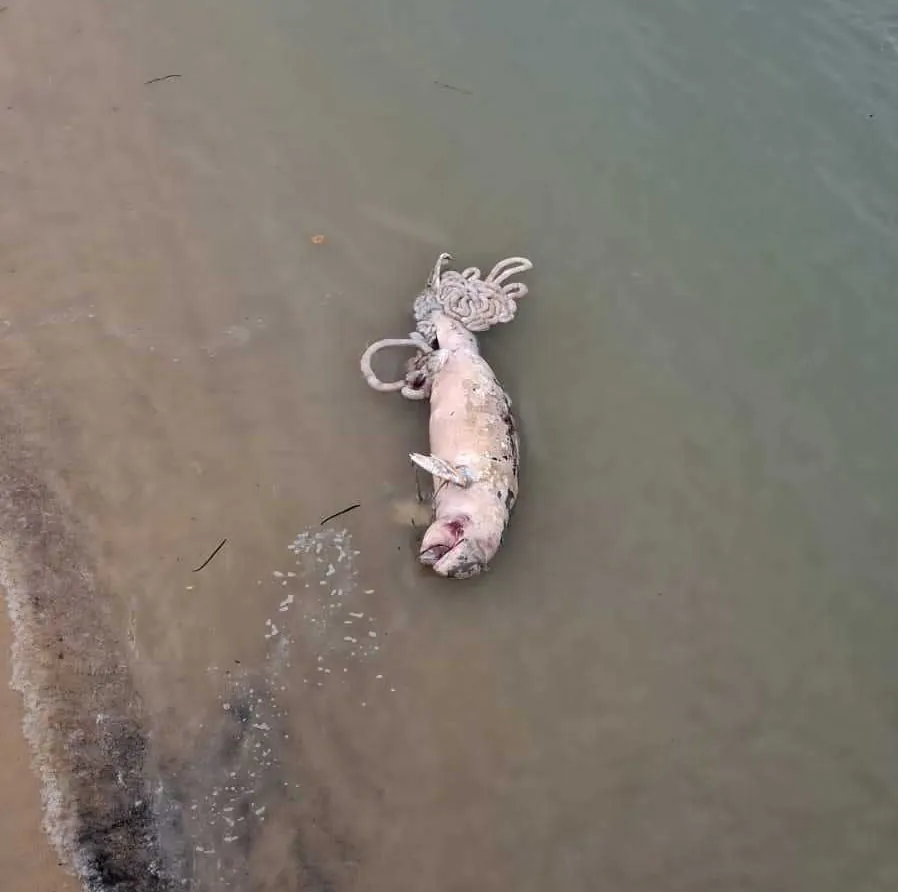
442,470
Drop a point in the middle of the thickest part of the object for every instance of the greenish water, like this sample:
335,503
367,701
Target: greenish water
681,673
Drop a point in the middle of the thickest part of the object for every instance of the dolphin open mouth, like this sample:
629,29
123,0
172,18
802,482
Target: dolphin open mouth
431,555
437,554
440,541
446,561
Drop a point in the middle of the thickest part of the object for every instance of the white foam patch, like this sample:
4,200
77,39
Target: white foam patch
328,596
323,595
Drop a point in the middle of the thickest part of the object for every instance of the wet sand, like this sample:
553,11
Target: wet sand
27,859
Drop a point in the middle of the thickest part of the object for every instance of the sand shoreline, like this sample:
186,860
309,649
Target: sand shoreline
28,861
52,55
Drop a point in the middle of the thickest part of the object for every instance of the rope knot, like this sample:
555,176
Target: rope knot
477,303
466,297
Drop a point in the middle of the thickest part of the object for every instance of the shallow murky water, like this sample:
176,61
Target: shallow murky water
681,673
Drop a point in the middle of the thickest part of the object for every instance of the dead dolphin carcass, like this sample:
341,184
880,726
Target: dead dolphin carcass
474,445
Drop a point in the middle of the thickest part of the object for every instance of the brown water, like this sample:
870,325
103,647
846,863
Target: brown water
680,674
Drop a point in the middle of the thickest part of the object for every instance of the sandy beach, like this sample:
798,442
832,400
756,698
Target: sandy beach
51,56
27,859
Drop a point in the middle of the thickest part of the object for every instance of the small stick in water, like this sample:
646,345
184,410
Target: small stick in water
156,80
205,562
446,86
340,513
418,487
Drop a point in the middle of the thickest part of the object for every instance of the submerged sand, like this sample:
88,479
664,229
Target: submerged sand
128,446
161,391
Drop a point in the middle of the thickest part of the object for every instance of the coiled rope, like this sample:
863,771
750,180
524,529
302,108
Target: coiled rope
476,303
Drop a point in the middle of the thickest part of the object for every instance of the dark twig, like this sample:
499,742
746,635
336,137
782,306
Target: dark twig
156,80
205,562
340,513
418,485
446,86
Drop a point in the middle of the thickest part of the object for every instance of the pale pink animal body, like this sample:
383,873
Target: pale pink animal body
473,437
474,454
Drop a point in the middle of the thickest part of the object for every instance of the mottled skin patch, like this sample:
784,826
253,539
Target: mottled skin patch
514,441
475,456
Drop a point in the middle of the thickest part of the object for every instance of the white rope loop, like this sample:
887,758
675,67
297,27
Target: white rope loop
413,340
511,266
477,303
